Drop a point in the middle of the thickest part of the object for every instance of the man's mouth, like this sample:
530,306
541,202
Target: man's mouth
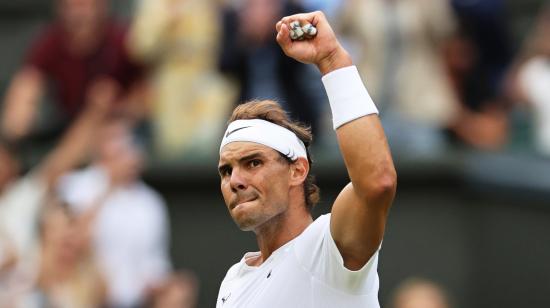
240,202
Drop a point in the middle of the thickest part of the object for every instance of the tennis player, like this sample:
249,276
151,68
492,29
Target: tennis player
265,167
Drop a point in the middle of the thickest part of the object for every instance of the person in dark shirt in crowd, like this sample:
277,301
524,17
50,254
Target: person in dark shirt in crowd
81,48
478,57
250,53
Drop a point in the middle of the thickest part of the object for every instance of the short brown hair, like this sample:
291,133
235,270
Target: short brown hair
271,111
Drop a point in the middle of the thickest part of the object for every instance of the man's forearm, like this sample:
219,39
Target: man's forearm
360,134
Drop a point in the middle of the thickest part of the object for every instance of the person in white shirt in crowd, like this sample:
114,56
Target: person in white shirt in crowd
22,199
266,183
396,45
130,227
532,84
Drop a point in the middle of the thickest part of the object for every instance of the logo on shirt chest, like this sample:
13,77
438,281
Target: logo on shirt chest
225,298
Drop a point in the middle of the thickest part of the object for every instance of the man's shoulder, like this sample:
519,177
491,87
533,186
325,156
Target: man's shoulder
240,268
322,220
234,271
315,228
307,246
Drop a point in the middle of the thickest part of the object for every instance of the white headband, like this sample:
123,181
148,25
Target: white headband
266,133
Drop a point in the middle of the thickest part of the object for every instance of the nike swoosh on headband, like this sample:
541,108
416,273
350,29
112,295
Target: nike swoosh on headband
236,129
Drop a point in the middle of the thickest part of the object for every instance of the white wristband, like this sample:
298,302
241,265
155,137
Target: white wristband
348,97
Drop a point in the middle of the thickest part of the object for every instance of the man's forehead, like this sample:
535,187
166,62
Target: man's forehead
238,149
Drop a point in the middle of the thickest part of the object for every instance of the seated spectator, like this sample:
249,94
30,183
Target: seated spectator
129,220
189,98
81,48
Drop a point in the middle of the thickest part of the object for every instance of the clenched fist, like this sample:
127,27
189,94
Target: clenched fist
323,50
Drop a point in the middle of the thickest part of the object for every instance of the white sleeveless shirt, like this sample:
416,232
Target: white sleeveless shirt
307,272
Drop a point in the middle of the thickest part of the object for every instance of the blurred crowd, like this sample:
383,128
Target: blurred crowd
444,73
81,229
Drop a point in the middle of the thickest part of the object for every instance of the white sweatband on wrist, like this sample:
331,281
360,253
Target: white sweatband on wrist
347,95
266,133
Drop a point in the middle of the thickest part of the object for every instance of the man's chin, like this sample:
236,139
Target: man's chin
246,223
244,220
245,227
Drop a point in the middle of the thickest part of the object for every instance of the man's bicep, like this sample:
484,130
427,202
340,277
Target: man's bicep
357,229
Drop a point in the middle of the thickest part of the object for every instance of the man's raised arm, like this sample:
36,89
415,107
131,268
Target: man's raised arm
359,212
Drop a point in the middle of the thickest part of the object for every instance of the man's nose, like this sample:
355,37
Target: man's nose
238,180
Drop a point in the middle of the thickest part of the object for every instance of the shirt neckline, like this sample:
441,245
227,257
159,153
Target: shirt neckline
270,259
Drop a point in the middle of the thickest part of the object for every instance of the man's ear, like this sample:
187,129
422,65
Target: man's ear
299,171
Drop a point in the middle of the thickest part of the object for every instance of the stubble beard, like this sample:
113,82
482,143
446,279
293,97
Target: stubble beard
260,217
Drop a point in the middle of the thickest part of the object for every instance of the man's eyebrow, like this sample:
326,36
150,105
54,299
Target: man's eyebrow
224,166
251,156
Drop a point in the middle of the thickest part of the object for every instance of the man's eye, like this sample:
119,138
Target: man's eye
255,163
225,172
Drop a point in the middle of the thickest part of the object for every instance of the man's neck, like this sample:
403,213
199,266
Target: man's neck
279,231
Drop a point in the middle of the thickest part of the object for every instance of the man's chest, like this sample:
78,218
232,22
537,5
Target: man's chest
279,284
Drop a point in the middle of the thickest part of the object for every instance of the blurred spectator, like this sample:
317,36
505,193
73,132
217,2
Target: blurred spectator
22,250
181,290
478,57
482,118
533,80
180,39
419,293
398,50
82,47
59,270
485,23
251,54
69,276
130,226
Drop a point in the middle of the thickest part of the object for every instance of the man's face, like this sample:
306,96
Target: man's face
254,183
